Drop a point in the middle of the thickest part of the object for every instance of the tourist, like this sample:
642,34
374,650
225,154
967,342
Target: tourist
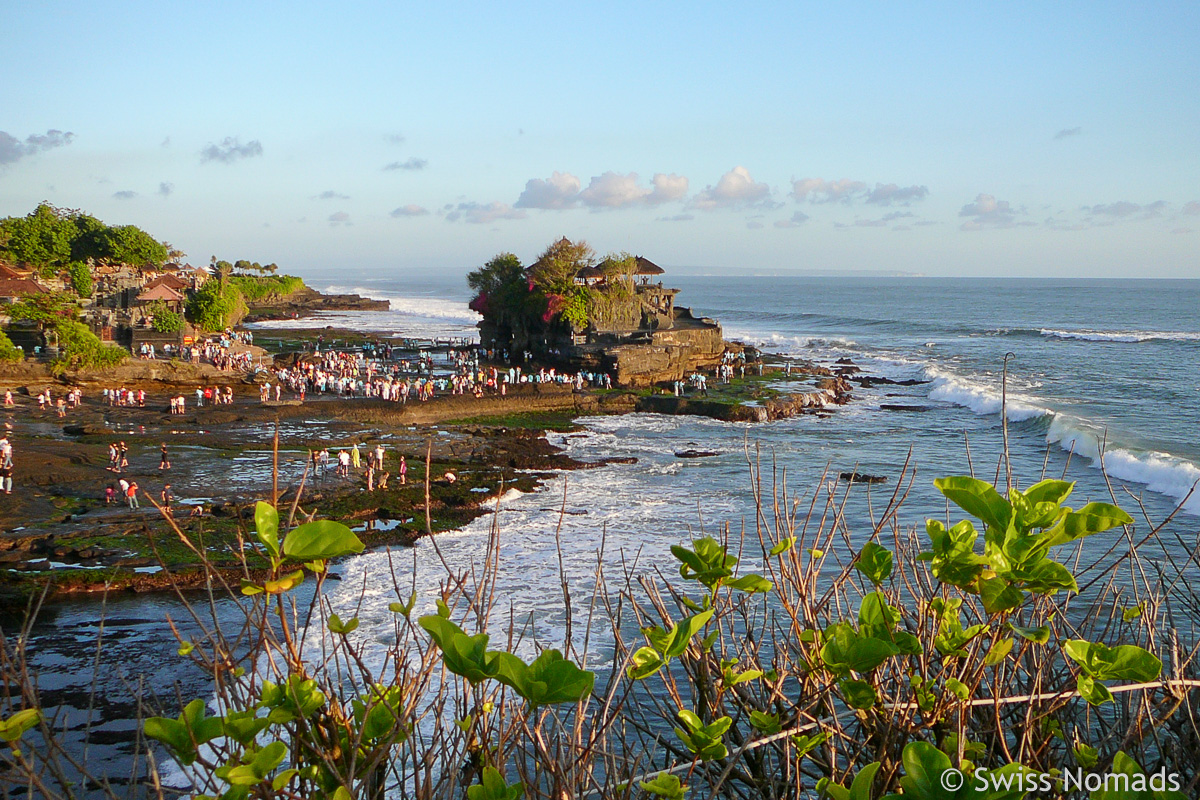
199,397
403,471
168,497
8,399
164,460
379,456
343,463
6,464
355,456
109,495
131,494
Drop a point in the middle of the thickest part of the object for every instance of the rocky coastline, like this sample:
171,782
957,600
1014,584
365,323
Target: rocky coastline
60,535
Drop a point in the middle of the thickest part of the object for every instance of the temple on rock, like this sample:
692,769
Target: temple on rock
613,314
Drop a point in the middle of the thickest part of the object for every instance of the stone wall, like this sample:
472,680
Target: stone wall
669,356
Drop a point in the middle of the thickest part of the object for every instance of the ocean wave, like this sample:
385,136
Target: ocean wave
1121,336
790,345
982,398
1161,473
421,306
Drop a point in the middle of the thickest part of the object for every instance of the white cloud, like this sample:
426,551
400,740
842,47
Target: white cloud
127,194
677,218
559,191
479,213
988,212
667,188
166,189
230,150
735,189
410,210
339,218
13,149
797,219
612,190
886,194
411,165
819,190
1123,210
330,194
1067,133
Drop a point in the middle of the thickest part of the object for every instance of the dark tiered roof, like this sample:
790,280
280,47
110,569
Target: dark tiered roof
647,267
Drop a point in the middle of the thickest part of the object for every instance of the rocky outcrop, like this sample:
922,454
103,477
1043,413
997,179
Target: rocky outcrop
306,301
669,355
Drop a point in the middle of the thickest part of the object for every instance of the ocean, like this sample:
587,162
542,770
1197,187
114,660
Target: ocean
1099,371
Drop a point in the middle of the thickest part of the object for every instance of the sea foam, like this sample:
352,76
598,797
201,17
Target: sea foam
1121,336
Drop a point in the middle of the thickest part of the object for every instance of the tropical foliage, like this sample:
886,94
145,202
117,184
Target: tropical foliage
50,238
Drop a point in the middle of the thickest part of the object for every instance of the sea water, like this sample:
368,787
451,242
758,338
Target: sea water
1099,372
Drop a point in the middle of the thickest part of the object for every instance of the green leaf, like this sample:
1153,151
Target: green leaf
1086,755
323,539
644,663
548,680
750,584
337,626
664,784
14,727
859,694
493,787
1038,635
860,789
185,648
1124,662
977,498
924,766
874,561
284,583
266,526
1000,596
766,724
1049,491
1132,613
958,689
844,649
1092,690
1092,518
404,608
998,652
805,744
681,634
1136,785
783,546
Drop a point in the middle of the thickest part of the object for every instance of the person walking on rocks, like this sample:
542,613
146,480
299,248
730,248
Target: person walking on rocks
164,460
6,464
355,456
131,495
403,471
379,456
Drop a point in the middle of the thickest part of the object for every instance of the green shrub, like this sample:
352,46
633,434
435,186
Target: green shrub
260,288
215,307
81,278
9,352
164,320
79,348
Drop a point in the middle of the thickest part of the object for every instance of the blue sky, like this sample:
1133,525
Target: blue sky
946,139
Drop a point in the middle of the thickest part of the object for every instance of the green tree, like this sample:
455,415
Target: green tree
41,239
164,320
554,271
9,352
129,244
81,278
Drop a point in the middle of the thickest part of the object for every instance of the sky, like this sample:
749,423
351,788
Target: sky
1026,139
